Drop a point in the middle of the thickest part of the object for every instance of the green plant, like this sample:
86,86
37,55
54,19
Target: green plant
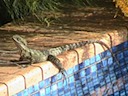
23,8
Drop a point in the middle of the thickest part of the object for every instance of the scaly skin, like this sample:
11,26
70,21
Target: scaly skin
36,56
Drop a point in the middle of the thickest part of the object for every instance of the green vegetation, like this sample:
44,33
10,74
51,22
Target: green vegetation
38,8
22,8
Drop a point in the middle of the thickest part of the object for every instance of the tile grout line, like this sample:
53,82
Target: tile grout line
6,87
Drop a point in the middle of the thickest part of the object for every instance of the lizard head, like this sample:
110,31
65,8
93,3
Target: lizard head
20,42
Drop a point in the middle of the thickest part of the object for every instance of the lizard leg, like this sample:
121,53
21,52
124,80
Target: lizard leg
57,63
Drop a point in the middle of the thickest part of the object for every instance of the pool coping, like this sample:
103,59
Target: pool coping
15,79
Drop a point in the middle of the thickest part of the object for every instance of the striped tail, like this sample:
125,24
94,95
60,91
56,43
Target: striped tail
61,49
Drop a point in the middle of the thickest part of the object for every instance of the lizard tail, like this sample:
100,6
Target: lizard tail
102,43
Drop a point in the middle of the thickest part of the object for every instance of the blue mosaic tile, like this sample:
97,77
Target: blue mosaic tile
126,60
113,79
92,60
86,63
83,80
45,83
72,86
85,86
96,81
122,92
20,94
48,90
73,92
100,72
120,56
126,53
76,68
116,93
53,79
121,62
81,65
25,92
42,92
116,66
88,71
102,83
114,49
89,78
41,85
70,71
66,94
36,94
118,74
121,84
30,90
54,93
125,44
106,54
107,79
111,95
65,83
76,76
115,88
86,91
61,91
54,87
111,68
60,84
104,63
94,75
98,57
120,47
99,66
124,71
91,89
36,87
126,90
78,83
110,61
90,84
66,89
105,70
79,92
93,68
71,79
59,76
97,86
101,78
127,67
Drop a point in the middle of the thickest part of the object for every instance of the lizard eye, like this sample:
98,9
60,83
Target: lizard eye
18,39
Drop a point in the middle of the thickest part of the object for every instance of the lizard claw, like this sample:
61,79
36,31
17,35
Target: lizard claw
63,72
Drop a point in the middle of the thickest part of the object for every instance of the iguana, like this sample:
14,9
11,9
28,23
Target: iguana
36,56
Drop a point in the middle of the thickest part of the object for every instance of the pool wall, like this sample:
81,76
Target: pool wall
90,78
